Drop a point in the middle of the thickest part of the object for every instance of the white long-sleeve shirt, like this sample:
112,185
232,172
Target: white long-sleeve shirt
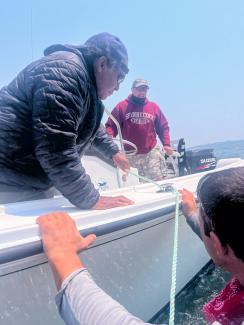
81,301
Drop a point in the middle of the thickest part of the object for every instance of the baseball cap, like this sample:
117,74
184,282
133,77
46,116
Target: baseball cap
140,82
110,46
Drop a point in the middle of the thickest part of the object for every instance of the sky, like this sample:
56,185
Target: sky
191,52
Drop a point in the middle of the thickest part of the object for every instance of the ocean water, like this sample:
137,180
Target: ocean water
227,149
189,303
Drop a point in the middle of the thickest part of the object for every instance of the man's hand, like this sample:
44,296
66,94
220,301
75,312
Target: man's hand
189,205
60,235
189,209
61,243
121,161
108,202
168,150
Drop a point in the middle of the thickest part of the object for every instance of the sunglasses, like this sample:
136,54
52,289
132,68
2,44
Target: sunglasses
122,70
120,78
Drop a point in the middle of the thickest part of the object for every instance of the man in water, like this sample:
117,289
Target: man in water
218,222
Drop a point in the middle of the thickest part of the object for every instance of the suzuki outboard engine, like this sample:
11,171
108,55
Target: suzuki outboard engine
199,160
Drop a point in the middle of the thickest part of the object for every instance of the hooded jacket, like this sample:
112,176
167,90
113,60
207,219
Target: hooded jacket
49,114
140,124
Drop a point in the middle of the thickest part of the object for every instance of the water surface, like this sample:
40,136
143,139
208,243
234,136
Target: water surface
190,301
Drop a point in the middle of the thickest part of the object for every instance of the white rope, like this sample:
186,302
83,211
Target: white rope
162,188
166,188
174,261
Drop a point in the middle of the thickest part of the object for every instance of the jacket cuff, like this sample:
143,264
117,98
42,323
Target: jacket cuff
87,202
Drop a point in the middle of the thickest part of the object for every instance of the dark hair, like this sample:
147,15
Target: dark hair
221,196
105,44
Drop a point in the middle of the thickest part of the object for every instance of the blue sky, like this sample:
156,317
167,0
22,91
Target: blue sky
191,52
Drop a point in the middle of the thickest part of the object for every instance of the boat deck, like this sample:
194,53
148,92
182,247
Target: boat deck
18,220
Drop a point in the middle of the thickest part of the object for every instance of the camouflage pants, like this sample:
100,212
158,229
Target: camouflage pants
151,165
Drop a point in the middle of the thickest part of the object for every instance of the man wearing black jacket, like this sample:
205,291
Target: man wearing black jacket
50,113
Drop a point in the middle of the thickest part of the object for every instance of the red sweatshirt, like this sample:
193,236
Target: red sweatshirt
228,306
140,124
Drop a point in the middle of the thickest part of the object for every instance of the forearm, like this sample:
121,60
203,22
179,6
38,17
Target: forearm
193,222
81,301
63,265
164,136
68,175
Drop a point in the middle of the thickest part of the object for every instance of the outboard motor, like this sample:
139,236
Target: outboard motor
182,162
199,160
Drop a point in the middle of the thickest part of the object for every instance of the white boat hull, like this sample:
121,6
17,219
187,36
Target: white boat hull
131,258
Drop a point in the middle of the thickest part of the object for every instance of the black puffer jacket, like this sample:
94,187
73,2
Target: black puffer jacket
49,114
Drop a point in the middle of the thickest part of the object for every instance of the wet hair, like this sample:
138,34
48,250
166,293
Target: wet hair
221,196
105,44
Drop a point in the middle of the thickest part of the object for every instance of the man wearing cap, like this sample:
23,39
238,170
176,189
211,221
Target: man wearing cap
141,121
50,113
